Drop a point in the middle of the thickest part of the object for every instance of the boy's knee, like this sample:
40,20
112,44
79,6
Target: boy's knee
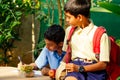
70,78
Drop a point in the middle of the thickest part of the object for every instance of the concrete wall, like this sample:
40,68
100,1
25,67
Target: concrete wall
24,47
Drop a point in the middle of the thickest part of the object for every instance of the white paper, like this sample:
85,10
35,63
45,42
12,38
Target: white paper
37,73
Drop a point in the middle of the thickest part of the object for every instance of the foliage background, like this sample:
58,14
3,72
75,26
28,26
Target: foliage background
108,16
10,15
47,12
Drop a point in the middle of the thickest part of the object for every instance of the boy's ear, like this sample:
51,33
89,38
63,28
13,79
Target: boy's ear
80,17
60,44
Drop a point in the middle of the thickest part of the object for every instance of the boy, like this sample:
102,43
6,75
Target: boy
52,53
84,65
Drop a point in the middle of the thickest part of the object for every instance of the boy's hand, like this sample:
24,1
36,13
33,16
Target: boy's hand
70,67
45,71
34,66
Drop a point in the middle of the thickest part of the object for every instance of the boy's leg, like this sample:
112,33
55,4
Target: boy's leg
70,78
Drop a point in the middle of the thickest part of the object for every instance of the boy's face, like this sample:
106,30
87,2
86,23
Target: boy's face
72,20
50,45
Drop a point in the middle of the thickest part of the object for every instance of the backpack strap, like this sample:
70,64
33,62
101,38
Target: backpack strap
67,56
70,34
96,40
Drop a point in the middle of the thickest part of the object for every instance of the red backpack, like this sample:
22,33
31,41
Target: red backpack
113,68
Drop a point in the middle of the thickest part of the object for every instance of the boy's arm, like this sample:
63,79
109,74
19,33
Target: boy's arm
88,68
42,60
44,70
96,67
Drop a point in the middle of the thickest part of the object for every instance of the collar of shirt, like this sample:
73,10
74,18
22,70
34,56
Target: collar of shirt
59,56
86,29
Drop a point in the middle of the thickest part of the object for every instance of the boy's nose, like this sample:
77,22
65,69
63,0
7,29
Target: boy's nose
67,19
48,47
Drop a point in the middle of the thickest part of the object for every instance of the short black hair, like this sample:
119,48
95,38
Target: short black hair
55,33
76,7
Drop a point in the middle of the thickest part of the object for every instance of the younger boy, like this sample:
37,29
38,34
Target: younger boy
52,53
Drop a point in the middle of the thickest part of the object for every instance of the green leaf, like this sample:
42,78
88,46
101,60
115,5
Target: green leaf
99,9
1,25
0,1
15,23
8,36
18,13
118,41
7,18
114,8
118,78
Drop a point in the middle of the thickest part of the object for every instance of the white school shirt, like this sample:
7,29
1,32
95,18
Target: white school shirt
82,44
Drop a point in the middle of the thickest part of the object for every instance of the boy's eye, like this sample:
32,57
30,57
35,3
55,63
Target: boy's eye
67,17
49,44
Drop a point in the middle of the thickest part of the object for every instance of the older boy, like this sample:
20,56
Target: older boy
84,65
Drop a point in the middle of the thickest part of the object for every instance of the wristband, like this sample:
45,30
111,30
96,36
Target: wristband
81,69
